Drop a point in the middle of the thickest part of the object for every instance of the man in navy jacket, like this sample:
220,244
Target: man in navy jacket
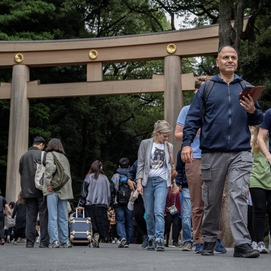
225,143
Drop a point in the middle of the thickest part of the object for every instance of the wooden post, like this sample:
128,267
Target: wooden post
94,71
173,97
18,129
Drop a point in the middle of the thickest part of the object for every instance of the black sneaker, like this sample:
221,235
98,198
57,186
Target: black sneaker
151,245
43,245
246,251
160,246
29,245
208,248
122,243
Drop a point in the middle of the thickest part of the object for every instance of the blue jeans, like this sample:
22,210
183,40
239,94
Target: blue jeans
57,219
124,223
154,196
186,216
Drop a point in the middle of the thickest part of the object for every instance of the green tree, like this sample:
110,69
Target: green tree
90,127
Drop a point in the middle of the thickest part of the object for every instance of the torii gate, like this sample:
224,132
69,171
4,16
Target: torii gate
22,55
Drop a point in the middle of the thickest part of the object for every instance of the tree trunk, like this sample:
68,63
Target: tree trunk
229,11
225,28
238,24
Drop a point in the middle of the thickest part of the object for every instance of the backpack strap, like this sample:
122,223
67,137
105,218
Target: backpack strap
42,158
207,89
243,83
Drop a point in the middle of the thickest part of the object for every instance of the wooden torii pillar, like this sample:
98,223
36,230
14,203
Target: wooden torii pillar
170,46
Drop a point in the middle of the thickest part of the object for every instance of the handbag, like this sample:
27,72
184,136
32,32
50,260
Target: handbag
174,172
172,209
60,177
39,174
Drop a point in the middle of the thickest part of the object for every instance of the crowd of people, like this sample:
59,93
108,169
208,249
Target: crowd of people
216,145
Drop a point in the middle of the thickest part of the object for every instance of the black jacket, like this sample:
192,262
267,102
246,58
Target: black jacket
20,213
132,172
27,169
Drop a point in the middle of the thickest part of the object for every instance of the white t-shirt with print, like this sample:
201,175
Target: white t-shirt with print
158,161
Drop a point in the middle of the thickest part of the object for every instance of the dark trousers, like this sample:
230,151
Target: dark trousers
2,235
19,233
10,232
261,200
176,228
250,222
35,206
139,211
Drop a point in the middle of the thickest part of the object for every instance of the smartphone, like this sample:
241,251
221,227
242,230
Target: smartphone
245,92
247,88
253,91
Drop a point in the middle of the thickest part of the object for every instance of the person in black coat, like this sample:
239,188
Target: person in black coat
139,209
3,205
20,221
35,202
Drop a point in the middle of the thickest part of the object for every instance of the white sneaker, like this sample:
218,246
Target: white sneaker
254,245
261,248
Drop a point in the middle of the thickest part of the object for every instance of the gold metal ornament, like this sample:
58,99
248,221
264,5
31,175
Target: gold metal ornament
93,54
18,58
171,48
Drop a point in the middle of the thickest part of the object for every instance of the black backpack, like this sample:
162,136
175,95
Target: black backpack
124,191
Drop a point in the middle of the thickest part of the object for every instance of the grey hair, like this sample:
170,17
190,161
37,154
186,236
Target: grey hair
162,127
223,46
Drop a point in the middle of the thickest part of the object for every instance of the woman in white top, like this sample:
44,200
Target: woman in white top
153,179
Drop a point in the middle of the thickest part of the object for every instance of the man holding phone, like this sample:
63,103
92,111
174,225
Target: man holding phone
225,145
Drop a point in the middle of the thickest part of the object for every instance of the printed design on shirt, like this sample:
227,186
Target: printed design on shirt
158,159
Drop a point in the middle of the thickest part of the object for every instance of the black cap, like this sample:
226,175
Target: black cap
38,139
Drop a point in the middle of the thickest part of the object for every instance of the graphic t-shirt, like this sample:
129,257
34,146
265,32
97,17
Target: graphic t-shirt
157,166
